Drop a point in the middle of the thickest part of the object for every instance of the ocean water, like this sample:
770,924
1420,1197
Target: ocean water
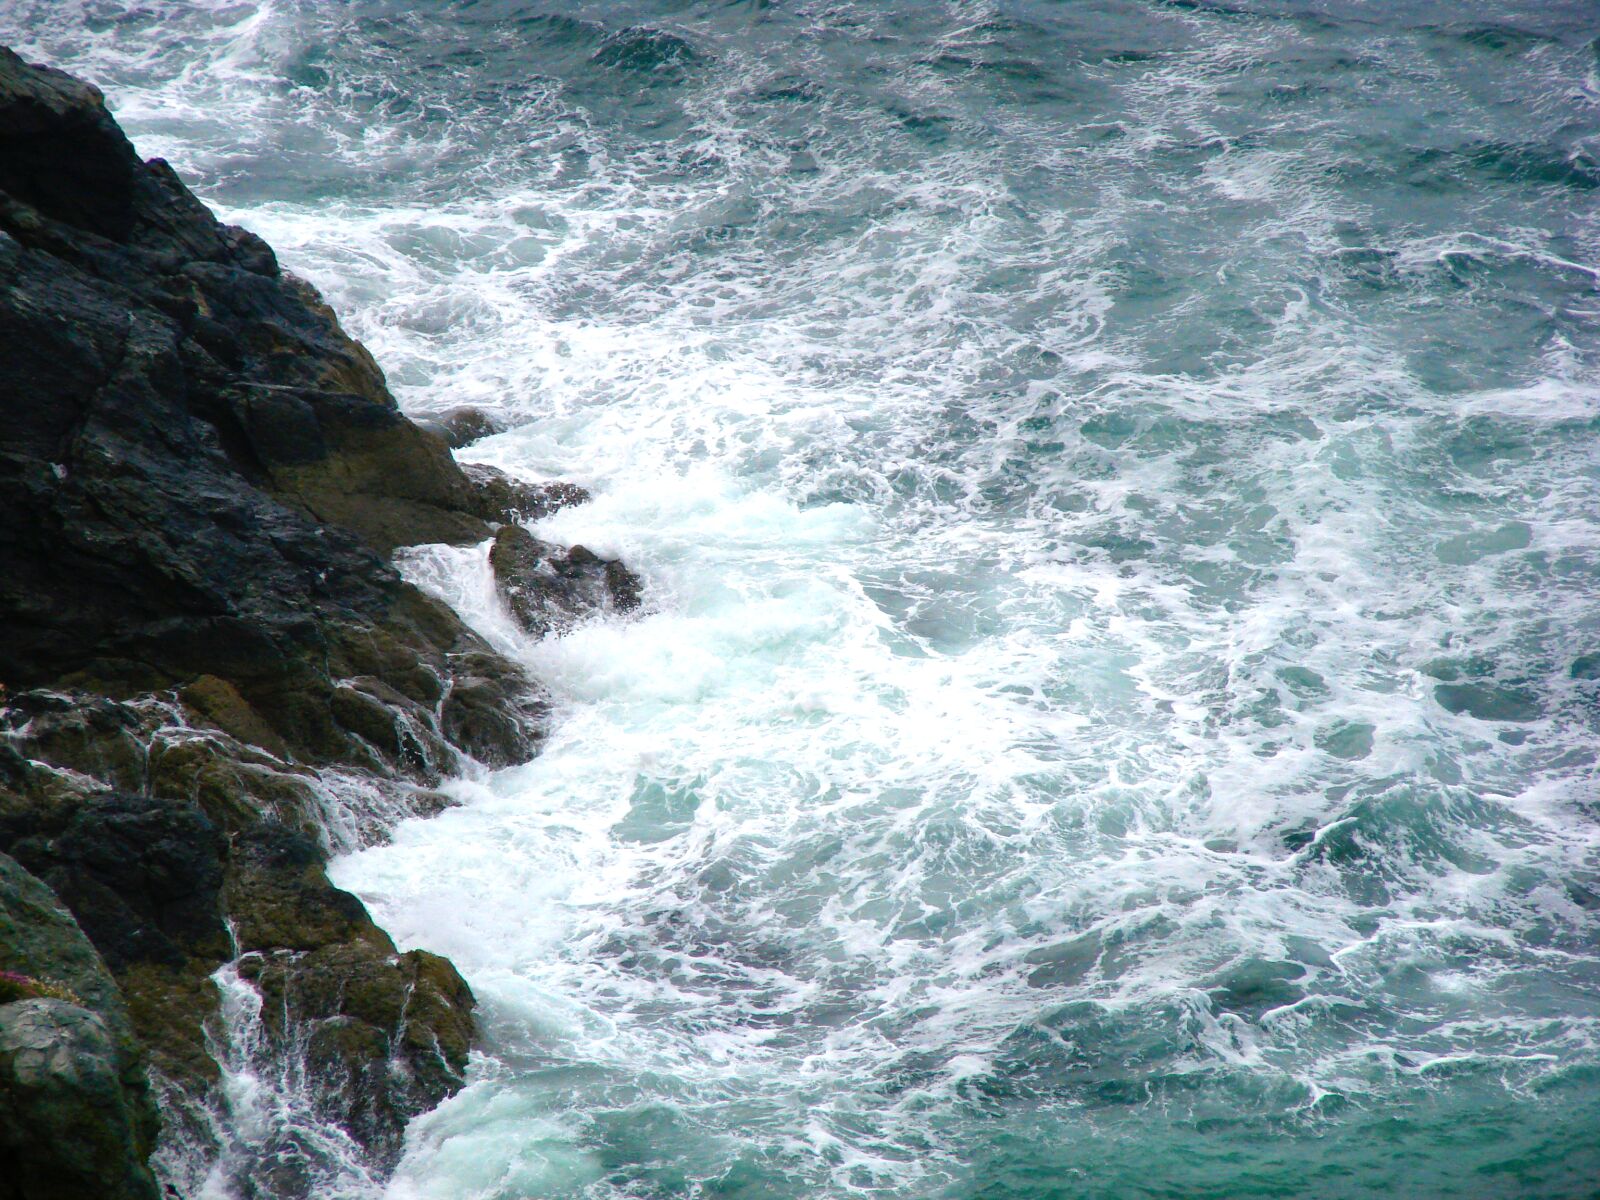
1117,705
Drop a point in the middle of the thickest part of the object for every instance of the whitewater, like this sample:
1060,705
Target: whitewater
1116,705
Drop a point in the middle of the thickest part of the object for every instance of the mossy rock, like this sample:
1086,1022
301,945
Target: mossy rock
75,1117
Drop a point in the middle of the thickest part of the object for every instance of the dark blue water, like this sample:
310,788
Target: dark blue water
1117,710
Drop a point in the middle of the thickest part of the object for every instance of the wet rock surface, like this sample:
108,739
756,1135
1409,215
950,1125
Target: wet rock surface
503,498
462,426
73,1123
212,677
203,470
549,588
77,1118
386,1034
222,858
40,941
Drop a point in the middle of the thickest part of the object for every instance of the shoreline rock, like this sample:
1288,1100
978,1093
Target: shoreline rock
461,426
65,1055
212,676
550,588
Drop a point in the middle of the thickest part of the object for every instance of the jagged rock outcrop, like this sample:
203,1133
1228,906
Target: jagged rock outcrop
503,499
201,478
549,588
202,470
378,1025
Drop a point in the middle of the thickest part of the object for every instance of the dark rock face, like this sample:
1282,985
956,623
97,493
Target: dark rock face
201,477
143,877
40,940
482,716
182,423
223,834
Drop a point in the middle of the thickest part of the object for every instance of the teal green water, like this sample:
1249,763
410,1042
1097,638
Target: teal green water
1117,710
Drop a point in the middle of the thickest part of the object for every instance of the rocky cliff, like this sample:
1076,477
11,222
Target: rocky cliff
211,676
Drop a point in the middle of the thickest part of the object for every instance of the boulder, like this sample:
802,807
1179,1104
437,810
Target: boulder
142,877
497,726
461,426
40,942
74,1124
385,1035
76,1115
550,588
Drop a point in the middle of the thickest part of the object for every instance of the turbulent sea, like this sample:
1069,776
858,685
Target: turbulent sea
1117,708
